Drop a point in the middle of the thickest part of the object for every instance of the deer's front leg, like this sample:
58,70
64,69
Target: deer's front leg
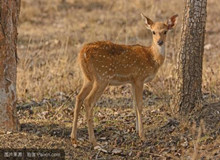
135,109
138,99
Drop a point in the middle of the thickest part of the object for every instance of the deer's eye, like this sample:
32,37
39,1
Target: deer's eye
153,32
165,32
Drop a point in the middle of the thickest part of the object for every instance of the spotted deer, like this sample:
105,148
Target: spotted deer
105,63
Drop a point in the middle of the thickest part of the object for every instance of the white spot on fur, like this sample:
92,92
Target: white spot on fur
85,55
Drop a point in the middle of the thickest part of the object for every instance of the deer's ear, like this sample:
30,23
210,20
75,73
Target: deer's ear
147,21
172,21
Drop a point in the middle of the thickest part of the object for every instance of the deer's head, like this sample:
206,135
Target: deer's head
160,29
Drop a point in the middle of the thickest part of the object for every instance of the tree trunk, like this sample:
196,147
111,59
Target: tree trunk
9,12
191,55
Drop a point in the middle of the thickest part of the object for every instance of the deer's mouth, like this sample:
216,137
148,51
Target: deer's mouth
160,42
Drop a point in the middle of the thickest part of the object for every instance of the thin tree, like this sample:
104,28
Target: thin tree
9,12
191,55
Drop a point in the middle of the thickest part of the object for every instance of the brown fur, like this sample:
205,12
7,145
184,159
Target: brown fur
108,60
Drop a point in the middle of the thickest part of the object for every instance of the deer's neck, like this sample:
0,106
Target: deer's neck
158,53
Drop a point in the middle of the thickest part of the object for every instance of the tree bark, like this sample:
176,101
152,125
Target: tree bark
9,12
191,55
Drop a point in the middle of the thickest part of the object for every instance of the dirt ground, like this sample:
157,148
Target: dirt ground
51,34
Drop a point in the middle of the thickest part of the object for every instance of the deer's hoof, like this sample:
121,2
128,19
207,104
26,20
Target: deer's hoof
143,138
94,143
74,142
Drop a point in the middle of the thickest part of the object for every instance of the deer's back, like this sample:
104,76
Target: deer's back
123,63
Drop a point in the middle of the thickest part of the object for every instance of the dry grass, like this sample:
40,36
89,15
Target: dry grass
51,34
50,41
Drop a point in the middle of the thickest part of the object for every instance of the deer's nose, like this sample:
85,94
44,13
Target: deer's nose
160,42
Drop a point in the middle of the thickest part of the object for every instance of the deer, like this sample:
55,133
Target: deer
104,63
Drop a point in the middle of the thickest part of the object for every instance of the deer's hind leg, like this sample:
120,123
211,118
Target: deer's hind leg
85,90
96,92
